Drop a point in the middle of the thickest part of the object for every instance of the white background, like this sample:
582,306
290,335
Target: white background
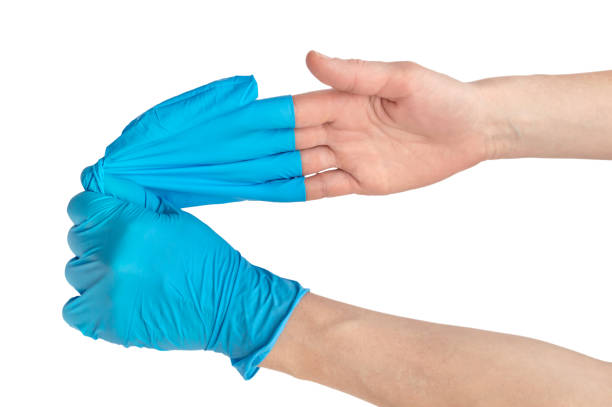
518,246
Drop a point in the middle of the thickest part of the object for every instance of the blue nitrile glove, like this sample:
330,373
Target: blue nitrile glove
213,144
158,277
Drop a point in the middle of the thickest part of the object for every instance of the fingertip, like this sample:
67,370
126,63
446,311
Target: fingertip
83,272
328,184
310,56
251,91
312,188
78,206
68,311
316,54
315,61
81,314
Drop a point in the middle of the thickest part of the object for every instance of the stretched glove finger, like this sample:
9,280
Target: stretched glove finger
271,113
264,127
257,171
256,144
214,99
196,179
285,190
186,111
235,91
217,146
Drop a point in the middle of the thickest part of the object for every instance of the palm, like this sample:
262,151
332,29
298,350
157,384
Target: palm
397,146
424,133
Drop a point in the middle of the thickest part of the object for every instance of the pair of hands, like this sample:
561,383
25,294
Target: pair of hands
151,275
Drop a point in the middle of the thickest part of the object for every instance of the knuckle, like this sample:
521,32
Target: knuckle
357,62
328,156
324,133
324,187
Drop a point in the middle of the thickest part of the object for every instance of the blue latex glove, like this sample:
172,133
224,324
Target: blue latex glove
157,277
213,144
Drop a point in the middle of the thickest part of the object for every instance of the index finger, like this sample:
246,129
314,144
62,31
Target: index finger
86,204
316,108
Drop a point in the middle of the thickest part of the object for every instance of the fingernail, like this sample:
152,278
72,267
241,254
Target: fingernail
321,55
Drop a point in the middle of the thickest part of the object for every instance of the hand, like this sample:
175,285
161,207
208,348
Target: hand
385,127
163,279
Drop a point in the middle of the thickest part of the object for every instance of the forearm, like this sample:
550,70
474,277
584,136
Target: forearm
392,361
563,116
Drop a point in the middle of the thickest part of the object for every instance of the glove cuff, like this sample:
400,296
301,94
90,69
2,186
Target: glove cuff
248,366
260,306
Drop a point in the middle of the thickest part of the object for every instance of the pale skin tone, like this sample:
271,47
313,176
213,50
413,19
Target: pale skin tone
390,127
393,361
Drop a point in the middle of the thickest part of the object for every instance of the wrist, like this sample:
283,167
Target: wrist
304,346
292,346
500,124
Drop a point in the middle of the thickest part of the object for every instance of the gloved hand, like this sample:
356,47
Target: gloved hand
213,144
157,277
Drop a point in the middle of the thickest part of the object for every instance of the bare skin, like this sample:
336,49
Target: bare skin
391,127
393,361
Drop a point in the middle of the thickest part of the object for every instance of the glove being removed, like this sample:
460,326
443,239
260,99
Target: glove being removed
213,144
157,277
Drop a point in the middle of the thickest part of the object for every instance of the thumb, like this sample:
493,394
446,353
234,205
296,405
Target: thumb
129,191
385,79
94,179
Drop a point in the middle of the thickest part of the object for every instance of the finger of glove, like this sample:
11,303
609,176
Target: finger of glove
84,237
215,145
257,144
125,190
286,190
272,113
87,204
256,171
84,272
206,102
198,180
263,127
186,111
86,312
121,190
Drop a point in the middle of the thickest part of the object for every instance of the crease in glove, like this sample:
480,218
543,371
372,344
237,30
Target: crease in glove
213,144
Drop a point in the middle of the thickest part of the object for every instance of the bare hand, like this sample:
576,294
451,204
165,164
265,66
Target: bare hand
385,127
